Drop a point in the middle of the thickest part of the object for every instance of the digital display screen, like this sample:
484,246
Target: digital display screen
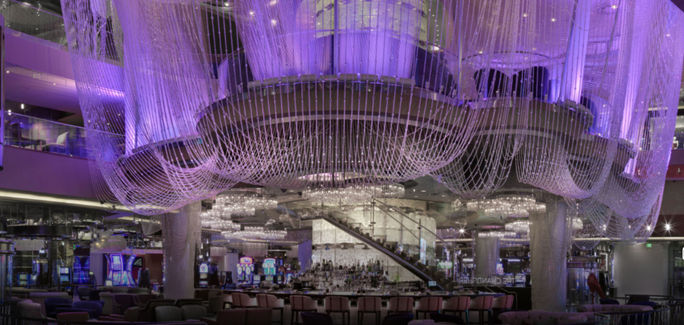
520,278
117,262
269,266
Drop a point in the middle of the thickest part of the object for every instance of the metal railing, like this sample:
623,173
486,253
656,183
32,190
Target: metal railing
660,316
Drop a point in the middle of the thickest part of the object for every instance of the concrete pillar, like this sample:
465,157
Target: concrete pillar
548,248
181,238
486,256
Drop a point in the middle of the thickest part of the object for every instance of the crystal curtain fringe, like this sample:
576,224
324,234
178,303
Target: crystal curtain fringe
184,99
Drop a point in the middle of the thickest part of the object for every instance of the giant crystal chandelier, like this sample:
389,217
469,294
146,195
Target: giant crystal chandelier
184,99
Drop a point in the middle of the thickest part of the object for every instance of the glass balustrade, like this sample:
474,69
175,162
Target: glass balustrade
28,19
33,133
25,18
678,141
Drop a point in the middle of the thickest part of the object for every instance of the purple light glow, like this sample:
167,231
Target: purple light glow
321,93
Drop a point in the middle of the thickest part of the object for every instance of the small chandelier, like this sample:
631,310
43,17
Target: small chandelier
352,194
209,219
255,233
508,206
521,227
242,204
496,234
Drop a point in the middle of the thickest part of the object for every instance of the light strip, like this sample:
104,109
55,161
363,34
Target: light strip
62,201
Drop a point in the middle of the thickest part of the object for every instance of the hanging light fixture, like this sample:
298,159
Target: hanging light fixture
351,195
255,233
506,206
328,93
520,227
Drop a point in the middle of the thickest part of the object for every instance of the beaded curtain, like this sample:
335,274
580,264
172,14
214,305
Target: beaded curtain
185,98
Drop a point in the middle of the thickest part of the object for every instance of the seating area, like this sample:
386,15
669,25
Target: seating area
225,307
219,307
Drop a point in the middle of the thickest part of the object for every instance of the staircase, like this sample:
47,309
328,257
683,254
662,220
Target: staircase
416,268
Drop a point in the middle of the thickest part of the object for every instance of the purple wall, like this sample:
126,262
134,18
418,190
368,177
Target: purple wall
41,73
45,173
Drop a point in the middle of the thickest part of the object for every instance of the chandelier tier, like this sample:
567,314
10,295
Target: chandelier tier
355,194
254,233
184,99
506,206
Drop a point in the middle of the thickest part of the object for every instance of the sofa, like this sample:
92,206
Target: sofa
40,296
145,313
544,317
119,302
28,308
22,292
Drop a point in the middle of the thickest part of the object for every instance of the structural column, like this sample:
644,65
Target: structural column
486,256
548,248
181,236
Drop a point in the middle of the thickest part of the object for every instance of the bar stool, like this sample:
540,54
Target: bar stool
298,304
502,304
241,300
338,304
481,304
272,302
427,305
399,305
368,305
458,305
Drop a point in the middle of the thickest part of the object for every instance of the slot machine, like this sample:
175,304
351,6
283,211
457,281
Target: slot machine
269,267
22,279
204,275
245,269
115,269
64,276
81,269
